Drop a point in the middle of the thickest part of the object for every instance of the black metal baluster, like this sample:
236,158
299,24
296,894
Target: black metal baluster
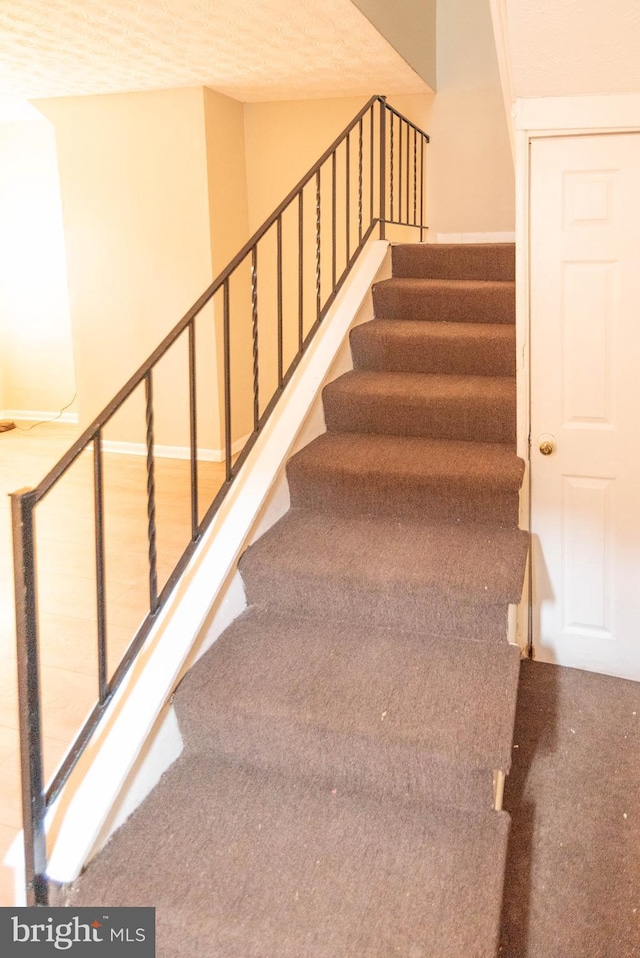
391,120
151,497
279,268
98,500
226,333
318,266
408,168
360,181
348,198
33,799
371,151
415,176
193,430
300,271
421,188
383,172
36,800
254,329
334,221
399,170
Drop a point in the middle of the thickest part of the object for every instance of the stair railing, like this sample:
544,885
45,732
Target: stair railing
380,158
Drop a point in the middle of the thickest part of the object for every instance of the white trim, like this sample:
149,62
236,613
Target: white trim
534,118
500,20
578,114
523,412
172,452
79,815
39,415
504,236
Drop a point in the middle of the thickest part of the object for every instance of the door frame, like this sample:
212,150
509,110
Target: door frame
534,118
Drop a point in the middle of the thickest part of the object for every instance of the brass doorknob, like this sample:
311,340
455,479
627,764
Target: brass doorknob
546,445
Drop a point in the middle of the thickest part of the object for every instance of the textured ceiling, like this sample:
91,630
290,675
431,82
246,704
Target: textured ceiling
249,49
573,47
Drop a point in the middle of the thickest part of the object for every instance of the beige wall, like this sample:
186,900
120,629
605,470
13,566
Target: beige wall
227,176
133,175
471,167
410,27
283,140
229,231
470,179
36,360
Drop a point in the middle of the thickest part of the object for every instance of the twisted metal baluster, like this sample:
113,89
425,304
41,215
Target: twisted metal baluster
391,168
226,308
415,176
421,188
254,324
360,181
193,430
371,149
151,497
280,334
334,221
98,499
300,271
348,199
318,275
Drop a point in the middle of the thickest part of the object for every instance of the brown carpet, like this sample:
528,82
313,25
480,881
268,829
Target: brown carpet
448,578
385,712
417,346
240,864
481,261
355,473
572,885
472,408
445,300
334,799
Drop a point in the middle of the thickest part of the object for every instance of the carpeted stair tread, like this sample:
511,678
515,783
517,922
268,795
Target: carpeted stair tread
351,473
475,261
244,865
482,349
385,712
481,408
333,796
451,300
441,578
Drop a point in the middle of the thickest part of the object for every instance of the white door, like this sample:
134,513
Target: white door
585,401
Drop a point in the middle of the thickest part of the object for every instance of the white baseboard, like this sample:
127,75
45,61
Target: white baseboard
498,237
39,415
172,452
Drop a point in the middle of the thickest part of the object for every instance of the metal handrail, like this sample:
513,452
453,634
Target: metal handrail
36,799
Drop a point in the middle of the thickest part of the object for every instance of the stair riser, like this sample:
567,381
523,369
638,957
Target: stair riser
446,616
435,261
479,419
431,355
339,496
329,761
438,304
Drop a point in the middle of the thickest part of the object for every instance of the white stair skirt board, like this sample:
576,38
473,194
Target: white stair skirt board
39,415
498,237
172,452
208,598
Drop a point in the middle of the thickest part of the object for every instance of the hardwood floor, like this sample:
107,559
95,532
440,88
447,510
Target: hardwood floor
66,575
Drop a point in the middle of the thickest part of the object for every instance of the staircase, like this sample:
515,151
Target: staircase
335,795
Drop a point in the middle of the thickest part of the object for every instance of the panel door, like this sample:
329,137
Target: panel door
585,401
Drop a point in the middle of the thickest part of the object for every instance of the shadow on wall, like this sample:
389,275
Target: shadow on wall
535,736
